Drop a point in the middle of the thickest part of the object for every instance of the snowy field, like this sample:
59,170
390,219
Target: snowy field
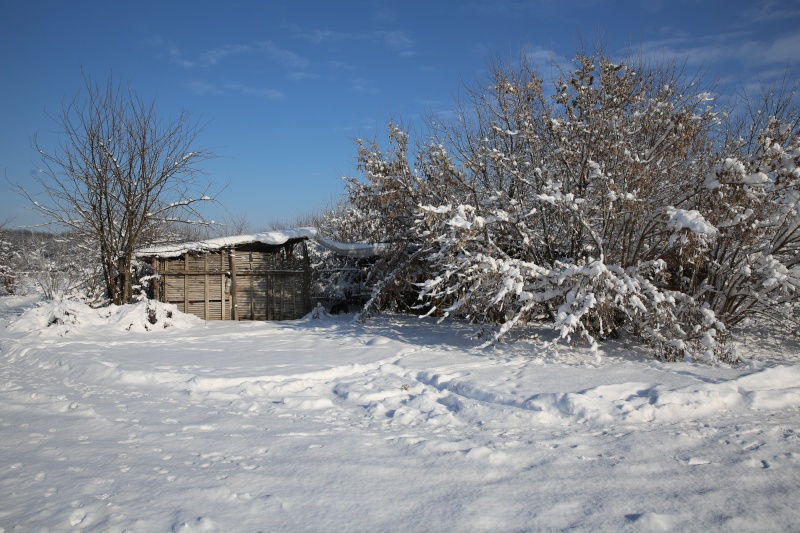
394,425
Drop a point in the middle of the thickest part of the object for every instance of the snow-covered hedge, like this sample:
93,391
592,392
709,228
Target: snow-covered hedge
622,200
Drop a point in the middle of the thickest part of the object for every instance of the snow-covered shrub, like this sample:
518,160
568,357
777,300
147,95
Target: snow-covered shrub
8,265
60,265
336,278
384,210
623,201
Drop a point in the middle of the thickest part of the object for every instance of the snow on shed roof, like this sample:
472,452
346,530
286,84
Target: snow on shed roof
356,250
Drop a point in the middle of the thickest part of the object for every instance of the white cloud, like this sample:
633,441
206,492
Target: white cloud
215,56
363,85
302,75
397,41
270,94
750,51
176,57
516,8
784,49
341,65
282,55
201,87
652,6
545,59
769,11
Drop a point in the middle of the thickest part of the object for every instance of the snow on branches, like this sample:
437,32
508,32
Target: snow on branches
623,202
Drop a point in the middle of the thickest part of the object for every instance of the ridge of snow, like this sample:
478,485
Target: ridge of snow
354,250
269,237
277,238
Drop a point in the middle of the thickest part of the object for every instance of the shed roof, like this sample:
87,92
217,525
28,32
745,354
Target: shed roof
276,238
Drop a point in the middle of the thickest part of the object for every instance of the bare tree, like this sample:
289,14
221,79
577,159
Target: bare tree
119,173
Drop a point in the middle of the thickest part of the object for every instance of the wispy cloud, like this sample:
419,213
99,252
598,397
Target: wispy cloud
398,41
770,10
652,6
744,56
215,56
207,59
542,58
270,94
302,75
527,7
176,57
750,51
282,55
366,125
201,87
363,85
341,65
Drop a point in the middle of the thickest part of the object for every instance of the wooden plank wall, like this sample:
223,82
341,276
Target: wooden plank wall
197,284
266,285
269,286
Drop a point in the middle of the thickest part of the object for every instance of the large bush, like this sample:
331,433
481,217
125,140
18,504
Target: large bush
620,198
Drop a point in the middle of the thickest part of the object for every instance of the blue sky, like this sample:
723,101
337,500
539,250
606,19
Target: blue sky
283,87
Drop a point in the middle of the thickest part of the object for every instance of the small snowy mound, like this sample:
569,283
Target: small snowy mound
151,314
64,316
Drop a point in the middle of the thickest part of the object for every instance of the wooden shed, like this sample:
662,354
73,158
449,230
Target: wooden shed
264,276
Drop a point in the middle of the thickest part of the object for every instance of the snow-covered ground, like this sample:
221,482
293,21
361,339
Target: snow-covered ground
110,423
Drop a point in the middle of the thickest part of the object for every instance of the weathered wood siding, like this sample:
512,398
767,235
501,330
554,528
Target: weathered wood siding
251,283
270,286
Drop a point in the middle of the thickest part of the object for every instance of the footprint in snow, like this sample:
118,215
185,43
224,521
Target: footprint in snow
652,521
77,517
755,463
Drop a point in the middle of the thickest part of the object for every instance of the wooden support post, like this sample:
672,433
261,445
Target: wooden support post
234,307
222,284
156,280
279,295
271,287
251,279
306,281
205,285
186,282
